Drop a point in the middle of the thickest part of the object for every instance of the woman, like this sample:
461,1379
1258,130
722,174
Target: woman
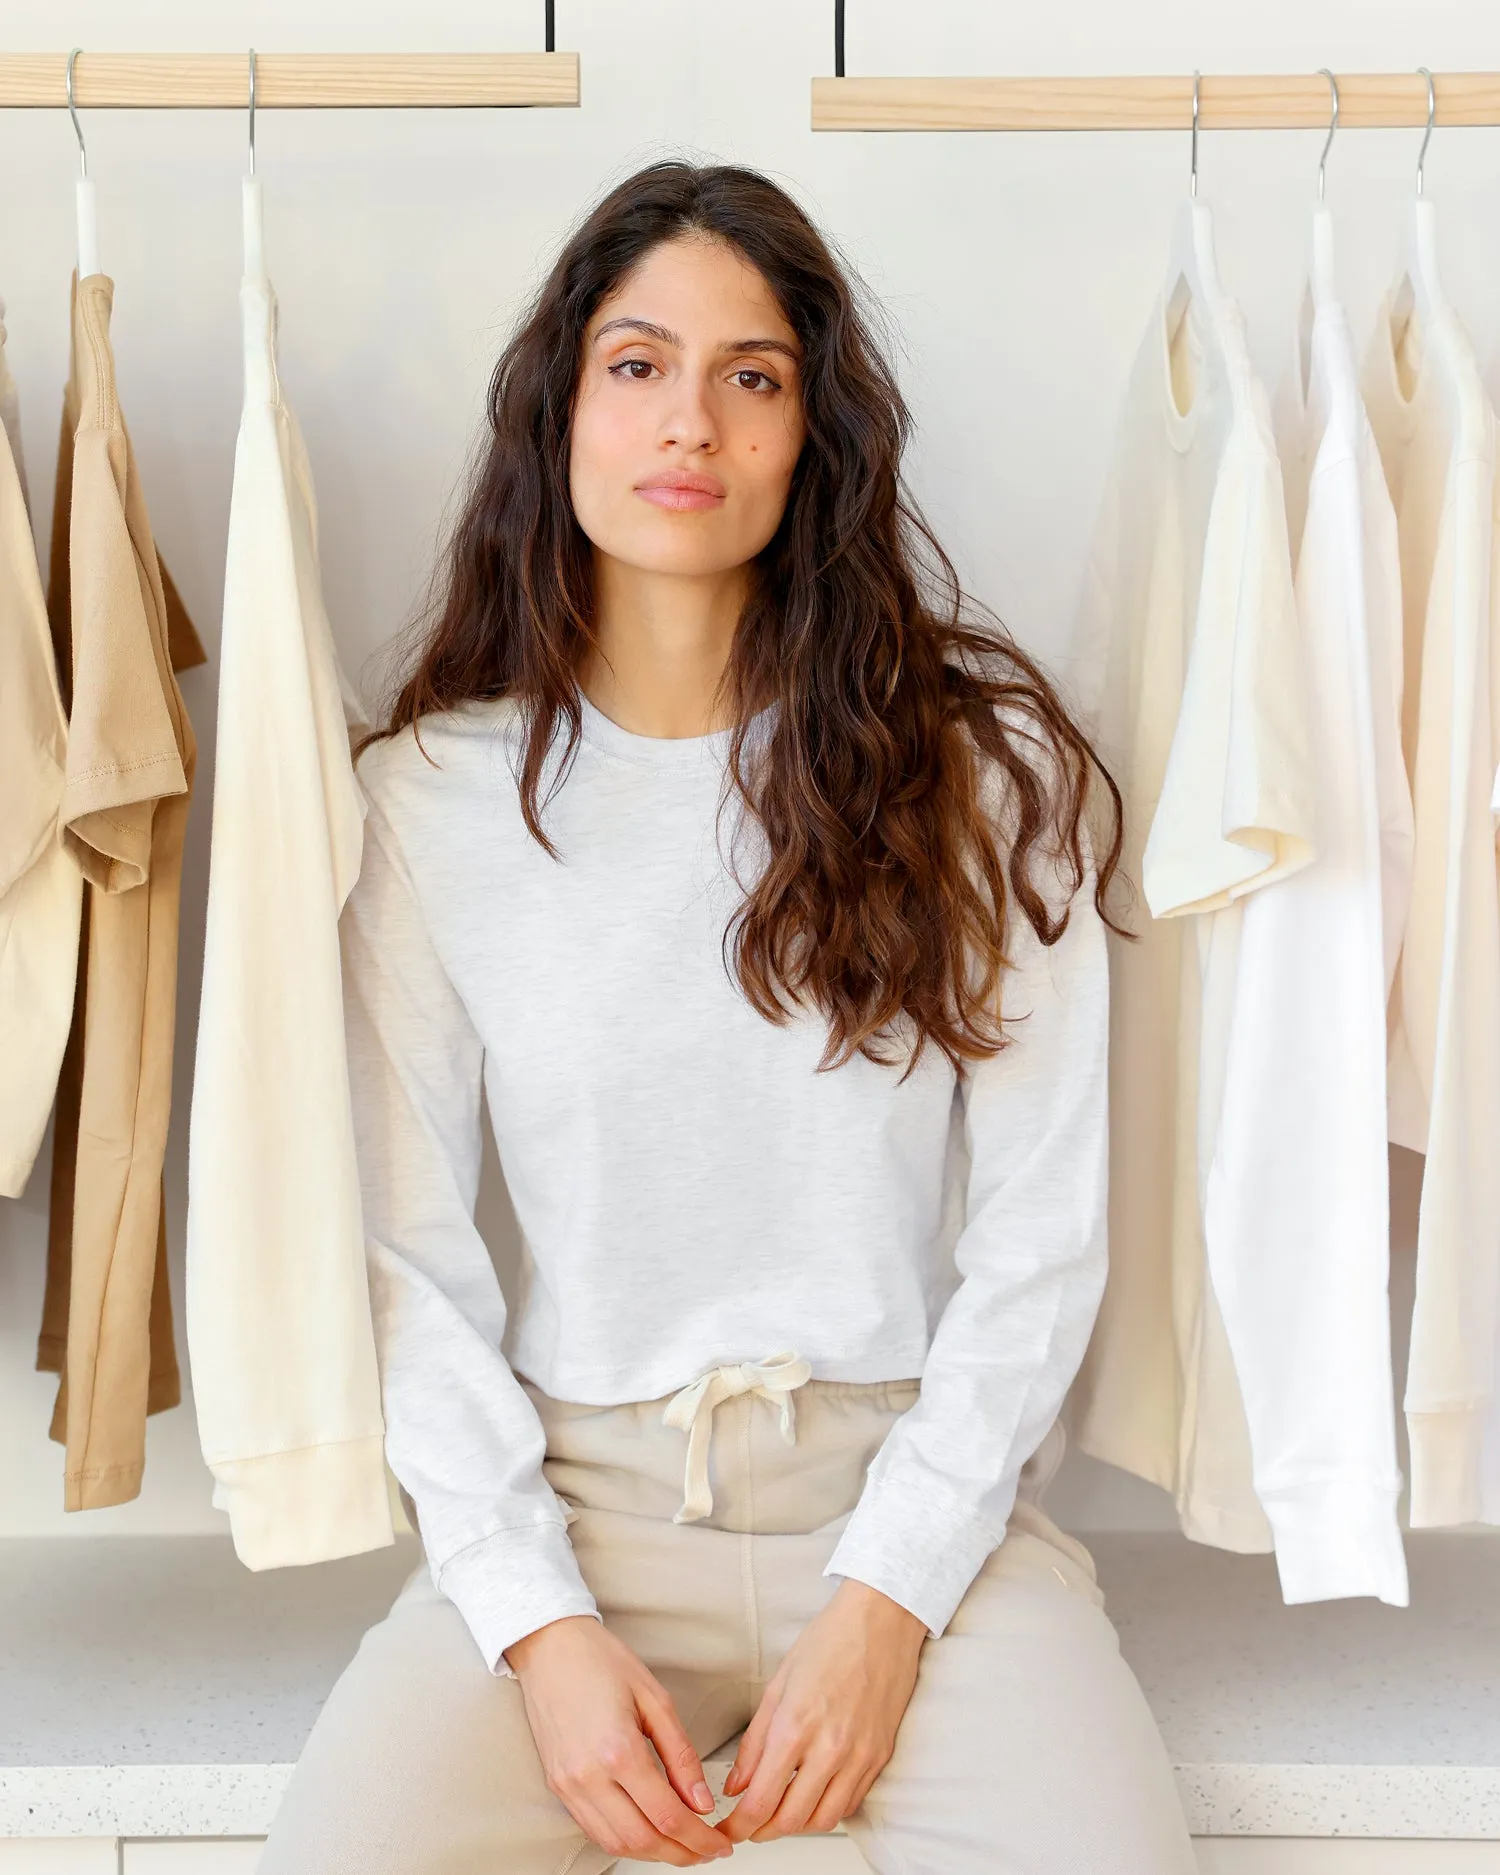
708,841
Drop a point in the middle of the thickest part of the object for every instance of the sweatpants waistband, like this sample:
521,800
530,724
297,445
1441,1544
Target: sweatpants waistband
747,1446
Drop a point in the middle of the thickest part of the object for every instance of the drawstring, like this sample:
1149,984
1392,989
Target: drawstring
691,1411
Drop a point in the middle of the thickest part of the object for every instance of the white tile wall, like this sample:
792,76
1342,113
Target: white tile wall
73,1855
190,1858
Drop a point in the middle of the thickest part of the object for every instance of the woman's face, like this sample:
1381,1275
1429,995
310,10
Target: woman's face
688,419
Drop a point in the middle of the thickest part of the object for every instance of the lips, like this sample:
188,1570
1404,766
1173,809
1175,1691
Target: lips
682,490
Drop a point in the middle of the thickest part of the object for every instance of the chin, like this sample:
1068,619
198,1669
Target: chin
685,559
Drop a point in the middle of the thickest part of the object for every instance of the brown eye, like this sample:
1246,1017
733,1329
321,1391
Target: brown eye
626,366
766,380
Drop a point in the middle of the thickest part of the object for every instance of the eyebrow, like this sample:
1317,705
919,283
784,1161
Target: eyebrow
650,328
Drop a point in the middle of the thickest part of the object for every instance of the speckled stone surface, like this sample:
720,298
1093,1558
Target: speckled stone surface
1335,1719
155,1687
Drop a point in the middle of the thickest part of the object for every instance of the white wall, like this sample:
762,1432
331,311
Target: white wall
1017,272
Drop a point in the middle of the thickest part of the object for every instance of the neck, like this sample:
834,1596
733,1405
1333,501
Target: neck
662,642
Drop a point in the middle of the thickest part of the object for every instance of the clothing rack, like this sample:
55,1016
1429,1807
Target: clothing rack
456,80
1287,101
211,81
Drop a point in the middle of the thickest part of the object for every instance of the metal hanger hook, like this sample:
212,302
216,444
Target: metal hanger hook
1193,178
83,155
252,110
1431,114
1333,124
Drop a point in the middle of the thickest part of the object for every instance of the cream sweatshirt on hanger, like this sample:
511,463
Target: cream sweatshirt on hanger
1436,431
1194,683
690,1190
41,887
1297,1219
278,1319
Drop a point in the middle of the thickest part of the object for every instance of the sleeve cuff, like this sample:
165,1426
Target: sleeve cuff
916,1542
1334,1540
15,1172
306,1506
1447,1465
512,1582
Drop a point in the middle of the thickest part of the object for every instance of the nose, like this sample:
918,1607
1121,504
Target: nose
689,417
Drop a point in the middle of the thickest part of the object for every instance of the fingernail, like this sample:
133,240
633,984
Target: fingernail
703,1796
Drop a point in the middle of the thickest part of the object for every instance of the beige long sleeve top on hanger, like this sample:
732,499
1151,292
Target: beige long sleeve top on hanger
130,762
1436,430
278,1315
1192,680
41,887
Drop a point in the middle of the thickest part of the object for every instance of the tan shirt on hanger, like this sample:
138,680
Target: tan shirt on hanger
130,763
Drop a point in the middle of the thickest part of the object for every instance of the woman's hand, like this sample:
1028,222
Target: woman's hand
595,1709
828,1718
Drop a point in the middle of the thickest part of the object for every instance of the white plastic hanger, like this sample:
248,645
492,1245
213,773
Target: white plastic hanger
1192,268
88,216
1419,284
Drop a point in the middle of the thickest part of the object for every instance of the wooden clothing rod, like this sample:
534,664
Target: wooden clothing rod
1290,101
220,81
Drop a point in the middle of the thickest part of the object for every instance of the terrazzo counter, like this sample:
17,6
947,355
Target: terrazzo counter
154,1687
1334,1719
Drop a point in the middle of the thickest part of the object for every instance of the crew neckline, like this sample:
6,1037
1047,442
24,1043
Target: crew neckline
661,751
1181,424
1423,328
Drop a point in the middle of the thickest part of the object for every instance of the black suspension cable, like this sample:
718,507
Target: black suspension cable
551,25
838,38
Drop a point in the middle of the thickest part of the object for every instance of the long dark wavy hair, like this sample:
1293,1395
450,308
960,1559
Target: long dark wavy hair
888,888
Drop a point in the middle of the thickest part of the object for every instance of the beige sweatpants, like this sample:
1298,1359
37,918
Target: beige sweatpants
1027,1748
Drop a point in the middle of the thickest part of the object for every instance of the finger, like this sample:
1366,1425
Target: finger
798,1801
771,1776
611,1818
747,1757
665,1812
863,1787
674,1747
842,1798
629,1832
592,1821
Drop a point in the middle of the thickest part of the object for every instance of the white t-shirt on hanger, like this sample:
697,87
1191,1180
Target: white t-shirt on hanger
1436,430
1198,701
1297,1219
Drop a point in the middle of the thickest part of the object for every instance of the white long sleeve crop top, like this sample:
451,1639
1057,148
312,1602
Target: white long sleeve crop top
689,1189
